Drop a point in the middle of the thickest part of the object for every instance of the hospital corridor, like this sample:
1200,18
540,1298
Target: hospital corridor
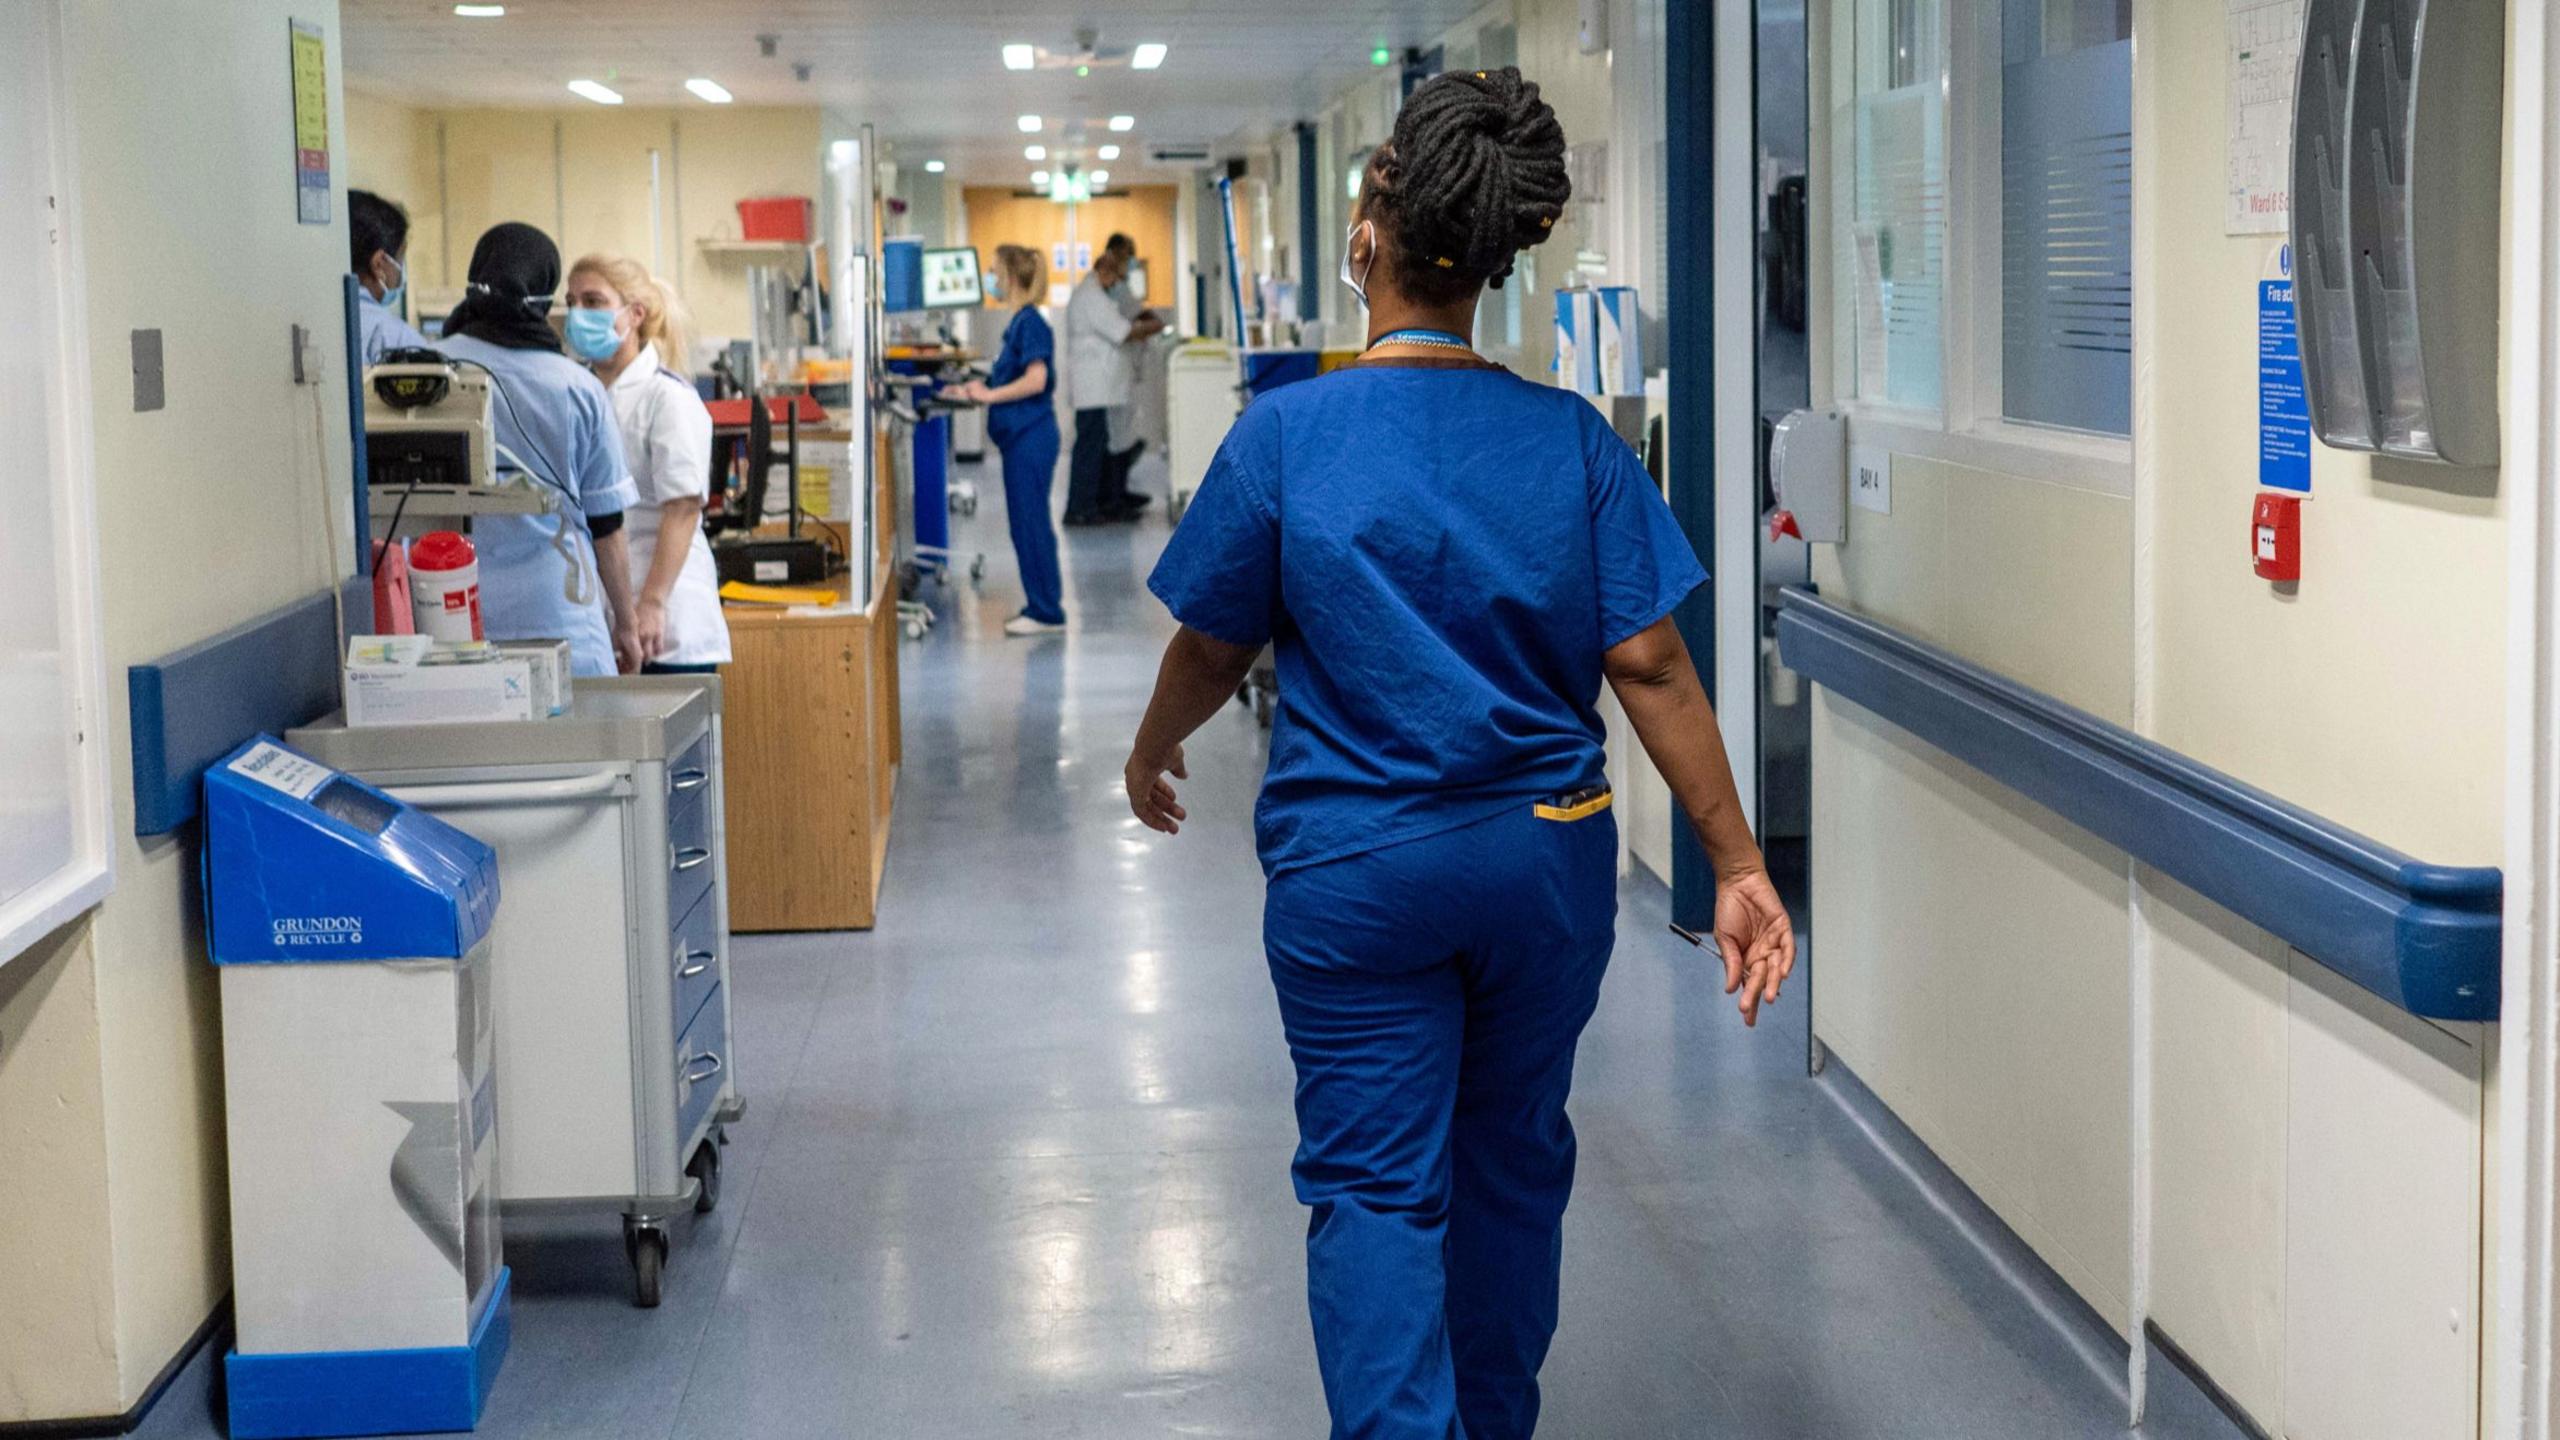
1403,720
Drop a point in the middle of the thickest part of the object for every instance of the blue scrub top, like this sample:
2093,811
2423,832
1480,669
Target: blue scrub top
1027,339
553,416
379,331
1439,554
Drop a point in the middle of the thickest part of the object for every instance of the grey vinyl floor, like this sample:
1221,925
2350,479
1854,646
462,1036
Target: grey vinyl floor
1017,1160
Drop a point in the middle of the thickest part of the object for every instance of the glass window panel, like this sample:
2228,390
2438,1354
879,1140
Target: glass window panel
1895,246
2066,244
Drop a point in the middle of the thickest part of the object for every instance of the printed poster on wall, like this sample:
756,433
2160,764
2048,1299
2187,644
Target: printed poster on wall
2284,408
310,123
2266,46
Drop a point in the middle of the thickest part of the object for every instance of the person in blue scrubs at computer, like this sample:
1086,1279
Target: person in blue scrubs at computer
378,237
564,574
1449,560
1023,421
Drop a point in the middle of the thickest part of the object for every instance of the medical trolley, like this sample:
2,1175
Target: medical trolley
615,1075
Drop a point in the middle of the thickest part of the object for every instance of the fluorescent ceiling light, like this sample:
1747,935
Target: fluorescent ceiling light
1108,152
479,12
1124,122
711,90
1146,57
1035,152
1039,177
933,167
1027,124
1101,177
593,91
1019,57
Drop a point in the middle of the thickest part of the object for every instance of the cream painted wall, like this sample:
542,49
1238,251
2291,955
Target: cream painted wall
1972,951
2373,695
58,1354
185,210
582,175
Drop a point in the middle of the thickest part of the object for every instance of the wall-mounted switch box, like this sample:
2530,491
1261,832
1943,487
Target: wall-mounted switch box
150,381
1809,468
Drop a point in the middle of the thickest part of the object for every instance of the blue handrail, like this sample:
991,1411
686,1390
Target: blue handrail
2424,937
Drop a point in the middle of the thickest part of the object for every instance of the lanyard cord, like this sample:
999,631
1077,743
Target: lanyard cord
1438,339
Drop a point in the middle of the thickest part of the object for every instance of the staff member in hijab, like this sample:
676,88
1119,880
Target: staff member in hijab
1024,425
566,574
1449,560
378,236
625,324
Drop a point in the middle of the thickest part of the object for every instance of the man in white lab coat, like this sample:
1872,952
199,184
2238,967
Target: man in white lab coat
1100,370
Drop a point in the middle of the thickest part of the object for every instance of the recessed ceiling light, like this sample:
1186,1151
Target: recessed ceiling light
1124,122
480,12
1101,177
711,90
1019,57
1146,57
1039,177
933,167
1035,152
593,91
1107,152
1027,124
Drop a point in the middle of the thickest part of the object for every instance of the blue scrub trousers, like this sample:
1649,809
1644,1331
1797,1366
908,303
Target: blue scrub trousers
1433,992
1030,462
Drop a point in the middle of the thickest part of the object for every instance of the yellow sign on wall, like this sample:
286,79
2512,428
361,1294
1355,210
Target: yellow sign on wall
311,122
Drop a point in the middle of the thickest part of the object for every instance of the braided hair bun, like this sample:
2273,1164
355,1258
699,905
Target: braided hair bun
1477,176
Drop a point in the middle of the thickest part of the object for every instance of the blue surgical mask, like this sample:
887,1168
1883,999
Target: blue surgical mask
391,297
593,336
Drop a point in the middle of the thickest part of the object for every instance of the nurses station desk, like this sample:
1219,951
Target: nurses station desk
813,744
813,759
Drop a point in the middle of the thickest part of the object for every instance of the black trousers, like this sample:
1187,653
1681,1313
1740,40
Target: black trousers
1090,468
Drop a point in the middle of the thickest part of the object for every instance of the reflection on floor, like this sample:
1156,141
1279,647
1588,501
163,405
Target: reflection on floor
1016,1162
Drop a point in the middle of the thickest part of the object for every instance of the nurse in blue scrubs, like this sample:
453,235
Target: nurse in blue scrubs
566,574
1023,421
378,244
1448,560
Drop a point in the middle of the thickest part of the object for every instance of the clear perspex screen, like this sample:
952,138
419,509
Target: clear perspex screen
951,279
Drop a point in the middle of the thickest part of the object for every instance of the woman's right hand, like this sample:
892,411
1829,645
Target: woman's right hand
1756,939
1151,796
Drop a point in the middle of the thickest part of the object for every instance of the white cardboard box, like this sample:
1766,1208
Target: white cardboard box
411,680
551,682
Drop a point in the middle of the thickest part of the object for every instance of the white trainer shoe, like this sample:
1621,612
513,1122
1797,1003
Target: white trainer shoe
1025,625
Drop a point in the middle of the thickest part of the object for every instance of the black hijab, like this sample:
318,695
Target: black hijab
514,269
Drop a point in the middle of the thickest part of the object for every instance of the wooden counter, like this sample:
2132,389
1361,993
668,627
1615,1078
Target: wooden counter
812,741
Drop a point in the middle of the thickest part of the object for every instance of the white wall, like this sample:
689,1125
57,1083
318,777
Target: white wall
110,1096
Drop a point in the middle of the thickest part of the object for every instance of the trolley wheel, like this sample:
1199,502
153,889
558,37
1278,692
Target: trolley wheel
647,1246
915,629
705,1170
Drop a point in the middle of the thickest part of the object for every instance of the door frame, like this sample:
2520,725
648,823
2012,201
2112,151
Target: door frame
2523,1370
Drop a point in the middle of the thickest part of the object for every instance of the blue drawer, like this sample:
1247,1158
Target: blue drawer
690,870
699,1065
694,961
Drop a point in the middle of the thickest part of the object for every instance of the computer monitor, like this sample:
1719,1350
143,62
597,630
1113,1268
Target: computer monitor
951,280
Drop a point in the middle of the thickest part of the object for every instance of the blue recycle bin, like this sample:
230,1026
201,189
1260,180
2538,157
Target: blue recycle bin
352,934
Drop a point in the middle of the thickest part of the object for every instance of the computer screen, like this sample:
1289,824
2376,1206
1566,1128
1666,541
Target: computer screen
951,279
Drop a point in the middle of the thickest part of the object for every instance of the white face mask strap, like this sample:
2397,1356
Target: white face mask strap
1360,286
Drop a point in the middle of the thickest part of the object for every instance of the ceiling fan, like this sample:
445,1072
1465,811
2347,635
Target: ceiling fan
1088,55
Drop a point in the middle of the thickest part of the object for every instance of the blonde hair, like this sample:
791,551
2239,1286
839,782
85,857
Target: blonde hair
662,314
1026,274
